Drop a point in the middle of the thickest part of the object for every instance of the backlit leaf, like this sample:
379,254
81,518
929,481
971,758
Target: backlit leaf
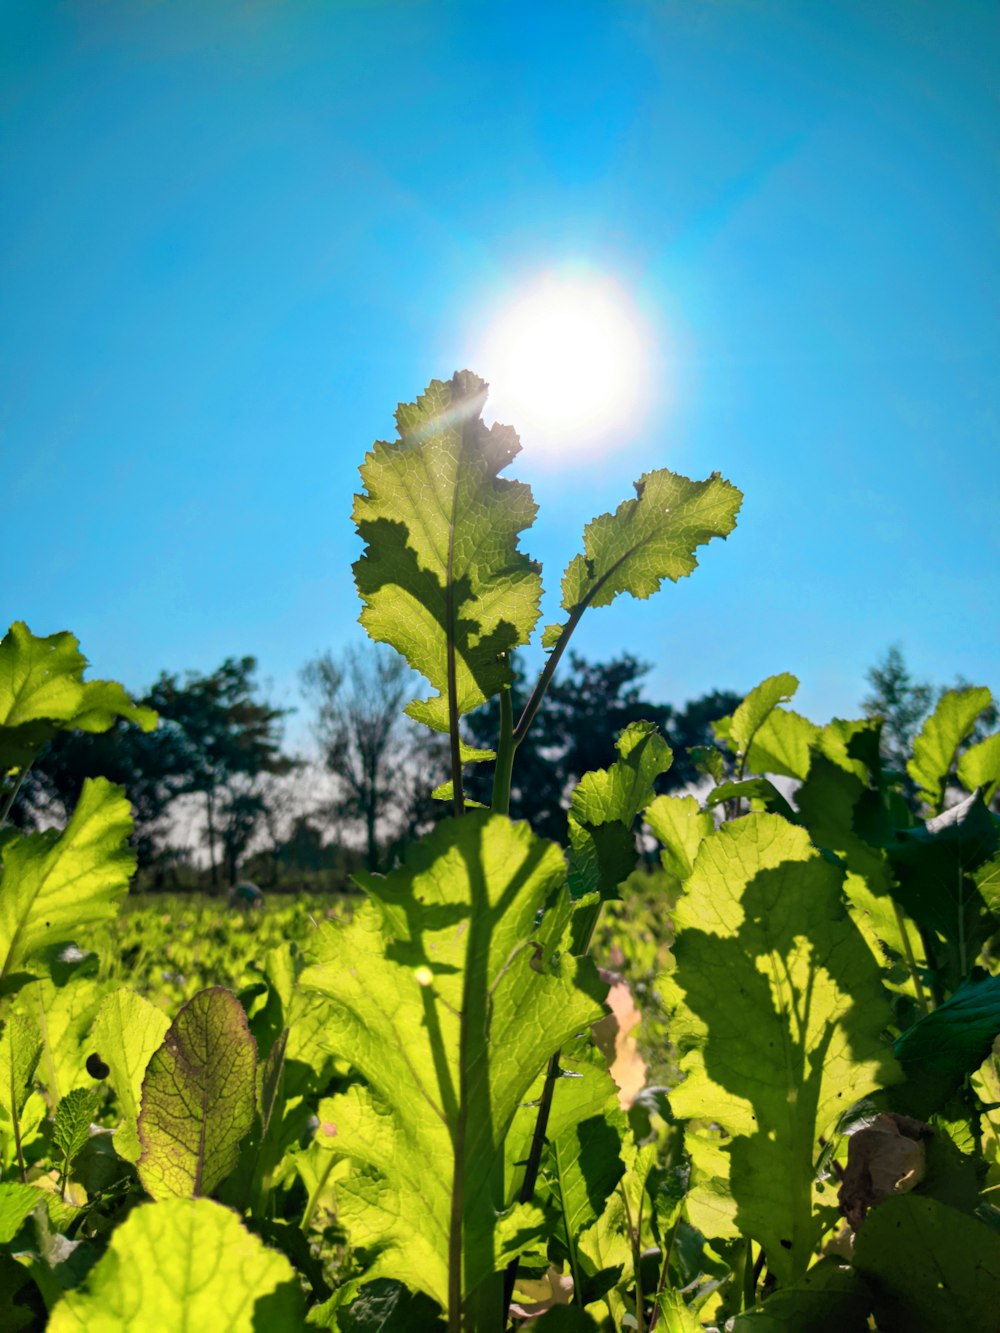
779,1011
127,1031
442,575
604,807
42,691
184,1264
979,766
447,962
740,729
198,1097
17,1202
648,539
57,885
935,748
71,1128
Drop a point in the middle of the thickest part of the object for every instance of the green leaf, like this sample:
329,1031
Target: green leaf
782,744
679,824
584,1167
709,761
673,1315
126,1033
931,1268
184,1264
71,1128
740,729
17,1202
42,691
442,578
779,1011
936,868
65,1015
761,790
604,807
20,1047
57,886
450,998
648,539
830,1298
934,750
979,767
941,1048
198,1097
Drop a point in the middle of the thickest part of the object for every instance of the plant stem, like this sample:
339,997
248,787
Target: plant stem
911,961
8,804
505,754
635,1229
749,1279
548,671
313,1203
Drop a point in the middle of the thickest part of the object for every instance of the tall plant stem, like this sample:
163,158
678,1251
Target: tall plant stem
505,754
8,804
588,921
911,961
548,671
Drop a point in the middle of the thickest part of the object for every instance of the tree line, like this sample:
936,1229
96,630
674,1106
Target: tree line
290,821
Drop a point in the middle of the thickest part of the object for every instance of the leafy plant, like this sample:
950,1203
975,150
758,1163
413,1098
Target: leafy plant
403,1112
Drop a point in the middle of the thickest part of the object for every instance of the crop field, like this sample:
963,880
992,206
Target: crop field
724,1060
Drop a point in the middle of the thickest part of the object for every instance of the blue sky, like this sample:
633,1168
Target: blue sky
233,236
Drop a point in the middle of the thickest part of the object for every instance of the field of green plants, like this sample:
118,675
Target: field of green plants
420,1107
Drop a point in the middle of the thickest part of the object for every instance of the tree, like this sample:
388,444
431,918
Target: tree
901,702
385,765
229,740
149,765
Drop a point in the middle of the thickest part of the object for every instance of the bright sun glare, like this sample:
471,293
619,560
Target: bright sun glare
566,362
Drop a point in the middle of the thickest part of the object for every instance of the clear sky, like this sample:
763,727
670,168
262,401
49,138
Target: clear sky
233,236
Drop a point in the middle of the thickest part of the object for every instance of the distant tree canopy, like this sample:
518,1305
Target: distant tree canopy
220,742
385,765
229,739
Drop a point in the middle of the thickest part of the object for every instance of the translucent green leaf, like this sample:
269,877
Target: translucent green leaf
604,807
450,998
42,690
759,790
184,1264
71,1128
583,1167
979,767
17,1202
934,750
126,1033
779,1010
57,886
20,1047
673,1315
65,1015
607,1245
679,825
740,729
648,539
782,744
932,1269
442,579
198,1097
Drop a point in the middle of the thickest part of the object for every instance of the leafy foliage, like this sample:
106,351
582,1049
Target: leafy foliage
413,1114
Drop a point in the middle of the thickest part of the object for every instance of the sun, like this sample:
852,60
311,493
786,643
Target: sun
566,361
